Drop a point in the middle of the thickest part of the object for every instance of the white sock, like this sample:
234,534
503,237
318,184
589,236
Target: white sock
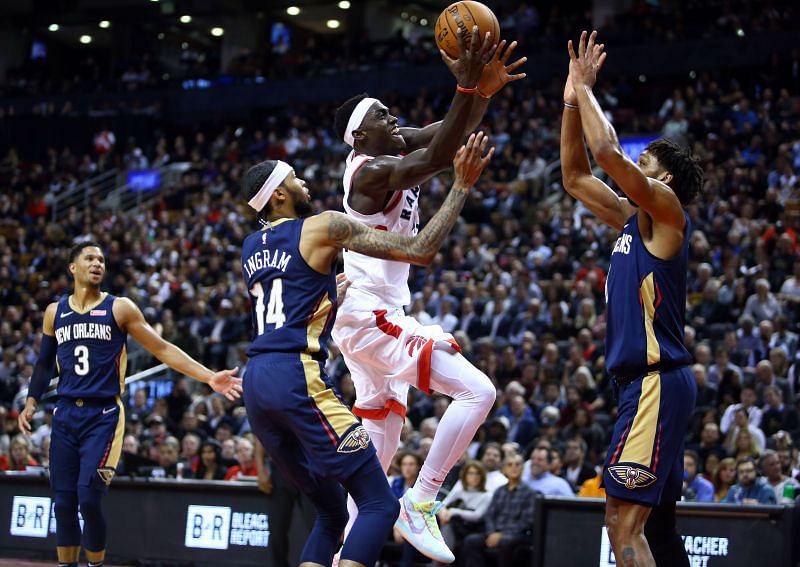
473,397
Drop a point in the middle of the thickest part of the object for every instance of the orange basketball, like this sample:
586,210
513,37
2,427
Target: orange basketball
459,18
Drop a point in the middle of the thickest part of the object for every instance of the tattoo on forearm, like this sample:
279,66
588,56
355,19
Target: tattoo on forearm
629,557
354,236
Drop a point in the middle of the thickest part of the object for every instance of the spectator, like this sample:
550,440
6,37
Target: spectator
723,478
762,305
19,455
593,488
749,404
509,521
210,466
246,462
576,470
721,364
168,457
695,487
733,438
190,446
765,377
777,416
463,510
542,480
710,443
750,488
771,467
522,423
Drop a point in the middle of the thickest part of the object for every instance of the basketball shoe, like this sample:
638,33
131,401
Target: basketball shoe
417,523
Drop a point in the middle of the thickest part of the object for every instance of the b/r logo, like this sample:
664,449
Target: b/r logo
208,527
30,516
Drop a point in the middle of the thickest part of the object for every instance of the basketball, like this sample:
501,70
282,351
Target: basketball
459,18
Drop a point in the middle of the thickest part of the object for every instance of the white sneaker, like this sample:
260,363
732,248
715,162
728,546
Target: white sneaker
417,523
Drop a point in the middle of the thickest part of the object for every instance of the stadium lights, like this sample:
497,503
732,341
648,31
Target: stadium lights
293,10
86,39
333,24
423,22
105,24
217,32
344,5
53,27
185,19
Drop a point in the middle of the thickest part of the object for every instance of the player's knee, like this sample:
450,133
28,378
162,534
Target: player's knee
89,501
485,392
65,507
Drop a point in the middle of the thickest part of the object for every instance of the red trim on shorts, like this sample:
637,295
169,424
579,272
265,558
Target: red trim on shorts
454,344
104,460
393,203
322,421
424,367
386,326
391,406
658,449
621,442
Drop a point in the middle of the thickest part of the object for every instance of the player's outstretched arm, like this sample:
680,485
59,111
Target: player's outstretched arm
43,371
576,172
131,320
337,230
656,198
496,74
388,173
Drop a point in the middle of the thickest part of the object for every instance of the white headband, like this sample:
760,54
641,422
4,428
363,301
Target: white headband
357,118
282,169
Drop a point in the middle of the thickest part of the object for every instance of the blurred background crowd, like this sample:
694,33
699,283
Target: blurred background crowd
520,282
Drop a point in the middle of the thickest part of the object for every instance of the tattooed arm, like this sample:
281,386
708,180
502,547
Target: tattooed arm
326,233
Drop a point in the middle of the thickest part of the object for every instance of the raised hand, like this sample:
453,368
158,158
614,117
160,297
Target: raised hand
226,383
470,162
471,61
497,74
584,66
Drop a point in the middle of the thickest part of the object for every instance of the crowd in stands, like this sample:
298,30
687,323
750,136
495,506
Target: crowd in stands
539,27
520,284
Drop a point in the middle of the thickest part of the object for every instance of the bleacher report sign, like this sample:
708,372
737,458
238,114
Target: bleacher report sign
218,527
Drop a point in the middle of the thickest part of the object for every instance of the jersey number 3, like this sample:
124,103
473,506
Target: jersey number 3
81,354
274,307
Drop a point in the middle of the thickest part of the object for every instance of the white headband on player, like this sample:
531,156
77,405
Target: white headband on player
282,169
359,112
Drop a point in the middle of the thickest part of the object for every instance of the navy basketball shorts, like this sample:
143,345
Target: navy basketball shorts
644,464
85,443
308,431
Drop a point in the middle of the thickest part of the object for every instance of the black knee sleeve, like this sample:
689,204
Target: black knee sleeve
662,537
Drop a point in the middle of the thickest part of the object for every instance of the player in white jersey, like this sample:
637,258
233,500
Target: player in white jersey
385,350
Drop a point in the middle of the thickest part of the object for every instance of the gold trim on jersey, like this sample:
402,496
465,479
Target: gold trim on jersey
639,443
119,434
333,410
89,307
275,223
648,293
316,324
123,366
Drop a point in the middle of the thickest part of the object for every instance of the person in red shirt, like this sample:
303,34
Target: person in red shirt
247,464
19,457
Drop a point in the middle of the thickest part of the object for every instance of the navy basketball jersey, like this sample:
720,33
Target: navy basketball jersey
292,305
646,305
91,354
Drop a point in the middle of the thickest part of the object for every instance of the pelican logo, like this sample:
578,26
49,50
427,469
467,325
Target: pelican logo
106,474
356,440
632,477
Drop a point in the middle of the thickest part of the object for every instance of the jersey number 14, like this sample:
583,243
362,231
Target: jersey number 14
274,307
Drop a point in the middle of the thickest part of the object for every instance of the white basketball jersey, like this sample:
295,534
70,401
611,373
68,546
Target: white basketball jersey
376,283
